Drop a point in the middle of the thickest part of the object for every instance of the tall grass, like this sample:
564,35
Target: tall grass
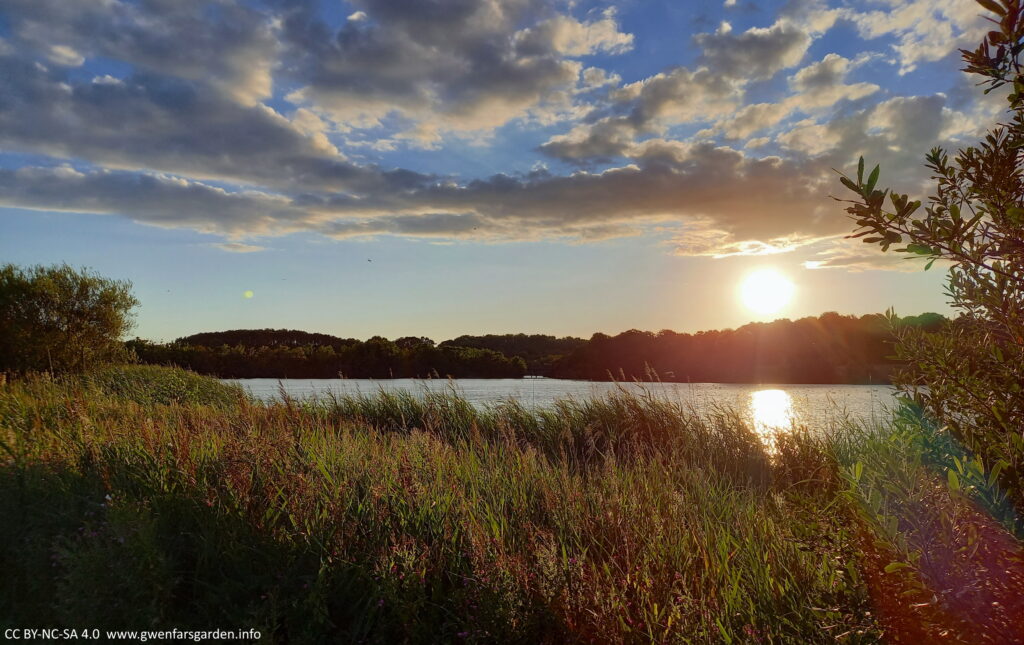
394,518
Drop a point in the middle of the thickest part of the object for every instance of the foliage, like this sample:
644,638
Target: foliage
375,358
265,338
385,520
971,376
60,319
151,384
539,351
827,349
939,543
133,502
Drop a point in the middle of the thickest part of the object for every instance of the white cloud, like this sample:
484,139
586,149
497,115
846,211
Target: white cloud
66,56
238,247
448,66
925,30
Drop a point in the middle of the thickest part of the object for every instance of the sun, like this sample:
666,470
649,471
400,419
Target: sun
766,291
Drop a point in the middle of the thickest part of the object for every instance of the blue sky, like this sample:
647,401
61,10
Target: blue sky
440,167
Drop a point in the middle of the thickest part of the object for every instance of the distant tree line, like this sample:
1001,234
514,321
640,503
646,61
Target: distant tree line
830,348
540,352
267,353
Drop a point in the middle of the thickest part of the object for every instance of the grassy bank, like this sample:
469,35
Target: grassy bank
149,497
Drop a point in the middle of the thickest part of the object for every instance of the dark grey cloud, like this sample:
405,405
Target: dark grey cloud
741,197
711,183
149,199
757,53
225,44
172,125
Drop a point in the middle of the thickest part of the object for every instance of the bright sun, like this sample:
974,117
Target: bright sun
766,291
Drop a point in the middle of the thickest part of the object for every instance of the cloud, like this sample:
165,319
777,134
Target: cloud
714,91
571,37
754,118
758,53
149,199
817,86
743,198
445,65
675,96
895,133
699,181
171,125
238,247
925,30
228,45
164,109
64,55
721,200
823,84
854,255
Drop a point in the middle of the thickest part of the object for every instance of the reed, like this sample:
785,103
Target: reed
397,518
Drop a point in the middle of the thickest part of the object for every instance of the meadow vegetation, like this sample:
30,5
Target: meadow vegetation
147,496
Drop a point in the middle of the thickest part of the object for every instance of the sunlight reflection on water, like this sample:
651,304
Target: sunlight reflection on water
769,407
772,410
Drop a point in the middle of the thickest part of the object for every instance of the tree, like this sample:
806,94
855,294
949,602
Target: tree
970,375
58,319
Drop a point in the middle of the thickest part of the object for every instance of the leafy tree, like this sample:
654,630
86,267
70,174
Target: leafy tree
830,348
970,376
266,338
414,342
59,319
539,351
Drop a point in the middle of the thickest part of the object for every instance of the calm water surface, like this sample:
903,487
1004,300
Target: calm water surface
768,406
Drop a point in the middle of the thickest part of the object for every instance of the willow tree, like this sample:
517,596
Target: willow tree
970,377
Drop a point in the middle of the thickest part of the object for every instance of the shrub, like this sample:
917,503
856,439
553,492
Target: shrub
59,319
970,375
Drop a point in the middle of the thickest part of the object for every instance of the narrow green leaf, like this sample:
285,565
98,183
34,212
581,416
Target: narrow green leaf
998,468
873,179
896,566
860,171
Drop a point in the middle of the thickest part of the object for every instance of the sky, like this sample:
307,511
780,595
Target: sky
447,167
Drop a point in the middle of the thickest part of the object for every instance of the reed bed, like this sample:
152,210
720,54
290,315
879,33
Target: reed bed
144,497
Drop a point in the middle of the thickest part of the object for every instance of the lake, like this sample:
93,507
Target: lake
768,406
